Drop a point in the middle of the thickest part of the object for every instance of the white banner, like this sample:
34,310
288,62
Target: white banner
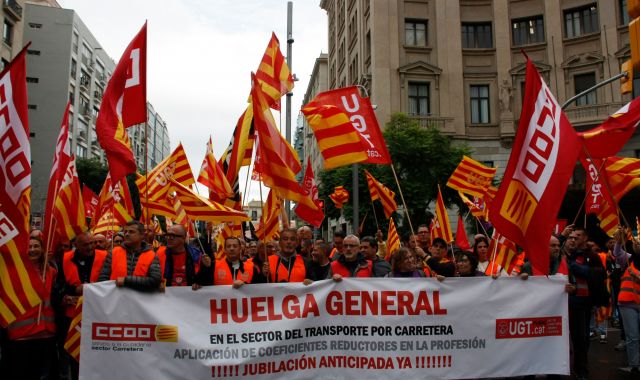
355,329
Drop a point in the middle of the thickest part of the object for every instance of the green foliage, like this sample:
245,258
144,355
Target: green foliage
422,157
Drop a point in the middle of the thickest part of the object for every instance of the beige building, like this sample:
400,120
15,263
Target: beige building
458,64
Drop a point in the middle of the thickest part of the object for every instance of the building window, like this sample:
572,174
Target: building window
527,31
479,99
477,36
580,21
582,82
74,41
489,164
35,25
7,33
33,80
419,103
624,14
74,68
415,33
32,106
33,52
72,95
81,151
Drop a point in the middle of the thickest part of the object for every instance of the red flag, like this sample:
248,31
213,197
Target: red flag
90,201
608,138
68,210
21,288
540,166
124,104
598,199
461,235
61,160
363,119
310,187
340,196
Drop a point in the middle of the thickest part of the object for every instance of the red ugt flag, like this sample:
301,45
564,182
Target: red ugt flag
124,104
544,155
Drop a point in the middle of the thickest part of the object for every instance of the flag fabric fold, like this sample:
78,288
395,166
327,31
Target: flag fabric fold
393,240
310,187
90,200
461,235
269,226
384,194
471,177
340,196
440,226
156,185
124,103
273,74
212,176
200,208
541,164
68,209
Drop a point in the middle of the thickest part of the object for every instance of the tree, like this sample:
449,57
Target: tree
422,157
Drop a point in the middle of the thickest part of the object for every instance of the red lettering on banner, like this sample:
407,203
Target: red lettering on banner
528,327
123,332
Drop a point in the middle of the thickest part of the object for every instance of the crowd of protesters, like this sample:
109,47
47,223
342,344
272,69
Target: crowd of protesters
603,282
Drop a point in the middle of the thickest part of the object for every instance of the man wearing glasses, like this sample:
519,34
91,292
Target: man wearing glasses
352,263
182,261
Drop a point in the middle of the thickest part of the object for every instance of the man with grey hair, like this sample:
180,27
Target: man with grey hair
352,263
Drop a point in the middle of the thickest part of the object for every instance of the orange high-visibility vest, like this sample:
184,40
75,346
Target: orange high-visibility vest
119,263
223,275
27,325
298,271
363,272
630,286
162,257
71,276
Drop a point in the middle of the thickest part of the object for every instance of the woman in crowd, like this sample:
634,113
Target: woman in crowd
481,251
403,264
467,265
31,347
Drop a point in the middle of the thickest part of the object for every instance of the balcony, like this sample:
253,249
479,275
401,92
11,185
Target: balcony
13,9
591,114
444,124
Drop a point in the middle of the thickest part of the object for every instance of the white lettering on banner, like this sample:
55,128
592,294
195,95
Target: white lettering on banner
538,157
373,328
7,230
596,188
15,154
358,121
134,80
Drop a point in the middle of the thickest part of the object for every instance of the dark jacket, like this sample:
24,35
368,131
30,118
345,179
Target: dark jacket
150,282
193,257
595,275
381,267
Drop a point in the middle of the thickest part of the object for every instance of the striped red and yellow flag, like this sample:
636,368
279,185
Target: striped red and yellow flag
383,193
273,74
240,148
479,210
277,172
623,174
160,207
107,224
340,196
200,208
504,254
175,167
226,230
72,342
339,142
21,288
270,218
212,176
116,199
441,228
68,208
471,177
608,216
393,240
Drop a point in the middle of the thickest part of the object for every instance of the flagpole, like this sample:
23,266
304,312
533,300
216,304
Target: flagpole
146,167
375,216
406,210
289,94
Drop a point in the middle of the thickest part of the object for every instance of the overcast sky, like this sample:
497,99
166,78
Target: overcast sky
200,56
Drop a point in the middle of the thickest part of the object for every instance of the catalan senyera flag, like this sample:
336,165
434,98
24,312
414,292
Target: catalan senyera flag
176,167
338,140
61,159
106,225
441,228
200,208
270,219
608,138
325,111
393,240
21,288
623,174
68,209
340,196
212,176
162,207
471,177
273,74
541,164
90,200
477,206
504,254
72,342
384,194
277,173
115,198
124,104
310,187
240,148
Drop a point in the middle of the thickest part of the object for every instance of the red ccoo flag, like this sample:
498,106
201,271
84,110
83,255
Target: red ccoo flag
61,160
540,166
90,200
21,288
124,104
